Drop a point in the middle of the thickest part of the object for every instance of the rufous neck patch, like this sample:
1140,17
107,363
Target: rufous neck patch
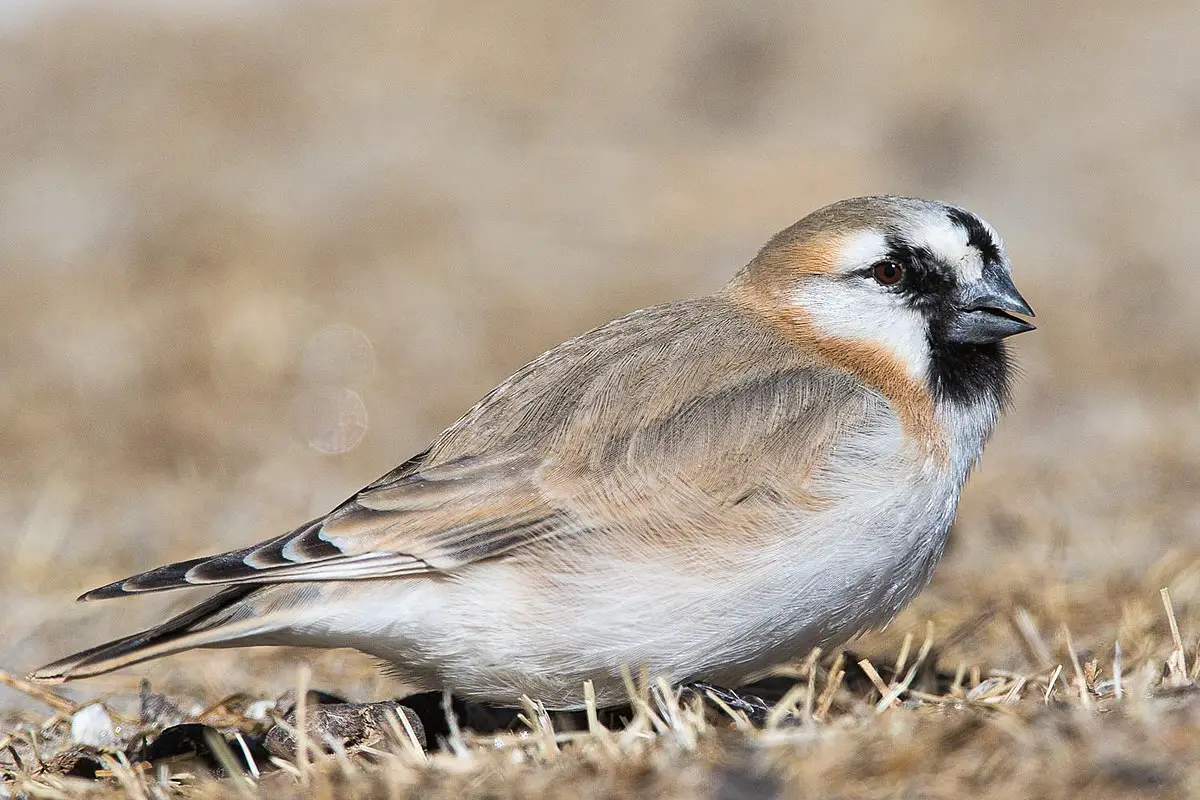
871,363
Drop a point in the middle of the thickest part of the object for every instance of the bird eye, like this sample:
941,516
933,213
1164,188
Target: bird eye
887,273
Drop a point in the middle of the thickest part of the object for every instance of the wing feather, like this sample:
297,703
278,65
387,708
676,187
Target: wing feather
664,425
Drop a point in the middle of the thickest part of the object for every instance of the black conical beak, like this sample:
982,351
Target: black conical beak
984,313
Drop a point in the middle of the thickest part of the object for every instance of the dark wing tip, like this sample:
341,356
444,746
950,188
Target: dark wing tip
170,576
108,592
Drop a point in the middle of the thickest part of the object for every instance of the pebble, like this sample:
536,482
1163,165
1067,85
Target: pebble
92,726
349,725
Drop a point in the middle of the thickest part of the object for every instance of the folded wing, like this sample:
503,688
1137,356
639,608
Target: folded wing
683,422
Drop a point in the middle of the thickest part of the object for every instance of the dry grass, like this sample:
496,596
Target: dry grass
1100,724
219,227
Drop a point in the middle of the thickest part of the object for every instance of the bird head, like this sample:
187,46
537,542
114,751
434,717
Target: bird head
924,286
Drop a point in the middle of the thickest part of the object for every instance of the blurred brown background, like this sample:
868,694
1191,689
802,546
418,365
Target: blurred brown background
253,255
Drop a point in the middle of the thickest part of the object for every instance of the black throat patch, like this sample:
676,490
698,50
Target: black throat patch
962,373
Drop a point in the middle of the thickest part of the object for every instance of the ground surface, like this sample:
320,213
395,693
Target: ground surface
252,257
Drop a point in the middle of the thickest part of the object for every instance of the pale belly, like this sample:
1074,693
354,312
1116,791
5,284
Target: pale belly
501,629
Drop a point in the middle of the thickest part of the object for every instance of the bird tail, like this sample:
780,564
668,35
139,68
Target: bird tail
221,619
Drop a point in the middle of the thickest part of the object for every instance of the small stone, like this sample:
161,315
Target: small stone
157,711
78,762
92,726
349,725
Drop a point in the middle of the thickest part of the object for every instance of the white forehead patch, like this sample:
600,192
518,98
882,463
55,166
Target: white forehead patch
948,241
937,233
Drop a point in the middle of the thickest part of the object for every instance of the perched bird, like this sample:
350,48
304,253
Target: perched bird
701,489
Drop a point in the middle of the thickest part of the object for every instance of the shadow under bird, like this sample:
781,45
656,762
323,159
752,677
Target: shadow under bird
704,488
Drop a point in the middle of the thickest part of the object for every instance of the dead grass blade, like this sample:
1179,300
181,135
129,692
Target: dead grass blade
40,693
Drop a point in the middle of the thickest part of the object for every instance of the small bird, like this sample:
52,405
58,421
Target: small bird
701,489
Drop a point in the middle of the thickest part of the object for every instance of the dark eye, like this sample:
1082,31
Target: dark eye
888,273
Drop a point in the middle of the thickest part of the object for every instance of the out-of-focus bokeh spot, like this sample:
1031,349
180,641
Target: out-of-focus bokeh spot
332,419
339,354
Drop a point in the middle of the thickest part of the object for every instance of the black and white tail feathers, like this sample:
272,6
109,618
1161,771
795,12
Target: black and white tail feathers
219,619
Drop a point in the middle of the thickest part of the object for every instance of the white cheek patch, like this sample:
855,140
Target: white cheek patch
861,311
